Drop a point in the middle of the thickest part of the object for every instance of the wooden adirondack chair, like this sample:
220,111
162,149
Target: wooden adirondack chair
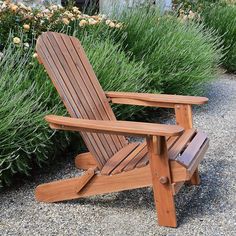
169,157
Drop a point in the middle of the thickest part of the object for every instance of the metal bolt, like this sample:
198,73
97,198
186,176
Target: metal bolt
163,180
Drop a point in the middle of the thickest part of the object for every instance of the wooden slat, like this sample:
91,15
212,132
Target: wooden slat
129,158
78,91
132,164
113,162
161,98
84,179
57,74
191,151
143,162
100,93
198,158
137,102
118,127
181,143
73,77
86,88
99,184
171,141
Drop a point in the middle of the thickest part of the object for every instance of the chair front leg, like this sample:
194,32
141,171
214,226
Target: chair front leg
161,180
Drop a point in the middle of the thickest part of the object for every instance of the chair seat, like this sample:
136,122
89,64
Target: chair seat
181,149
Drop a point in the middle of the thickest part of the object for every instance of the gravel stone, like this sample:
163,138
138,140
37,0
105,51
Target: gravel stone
208,209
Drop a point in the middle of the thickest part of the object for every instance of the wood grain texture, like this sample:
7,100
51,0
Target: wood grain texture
85,161
189,154
163,195
118,158
100,184
117,127
181,143
159,98
71,73
184,117
84,179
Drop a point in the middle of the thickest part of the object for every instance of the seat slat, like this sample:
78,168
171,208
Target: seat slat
131,156
113,162
181,143
171,141
143,162
191,151
132,164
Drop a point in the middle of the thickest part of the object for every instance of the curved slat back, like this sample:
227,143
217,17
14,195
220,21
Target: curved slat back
71,73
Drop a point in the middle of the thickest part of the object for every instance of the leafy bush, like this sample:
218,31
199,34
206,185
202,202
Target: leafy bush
18,18
223,20
181,56
25,98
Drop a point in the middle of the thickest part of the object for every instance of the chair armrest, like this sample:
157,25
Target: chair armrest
157,100
113,127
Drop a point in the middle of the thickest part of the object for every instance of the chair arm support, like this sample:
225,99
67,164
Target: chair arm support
154,100
113,127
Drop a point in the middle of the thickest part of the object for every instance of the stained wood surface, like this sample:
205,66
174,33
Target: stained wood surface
117,127
135,155
163,193
85,161
159,98
84,179
192,149
100,184
71,73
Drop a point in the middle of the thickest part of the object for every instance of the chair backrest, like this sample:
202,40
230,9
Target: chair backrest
71,73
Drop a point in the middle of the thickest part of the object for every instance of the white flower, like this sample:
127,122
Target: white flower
70,15
83,23
16,40
22,6
35,55
65,21
76,9
45,11
53,7
92,21
26,45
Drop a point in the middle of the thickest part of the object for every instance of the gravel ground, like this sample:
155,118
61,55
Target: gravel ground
208,209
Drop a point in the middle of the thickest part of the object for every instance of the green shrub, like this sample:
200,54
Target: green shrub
181,57
26,96
223,20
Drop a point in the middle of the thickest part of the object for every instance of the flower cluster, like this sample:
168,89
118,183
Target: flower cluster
188,15
32,21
